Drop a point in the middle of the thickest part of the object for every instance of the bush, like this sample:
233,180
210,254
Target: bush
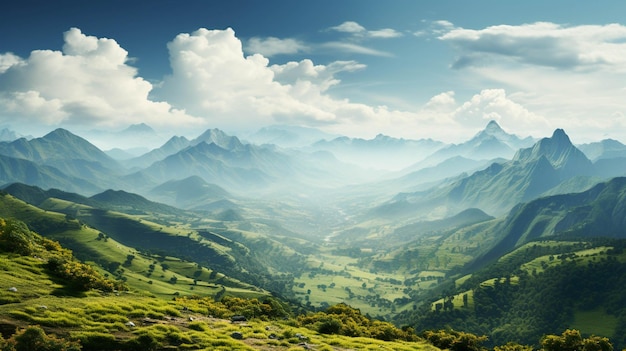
33,338
330,326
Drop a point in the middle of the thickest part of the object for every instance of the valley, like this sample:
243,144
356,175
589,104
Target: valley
460,236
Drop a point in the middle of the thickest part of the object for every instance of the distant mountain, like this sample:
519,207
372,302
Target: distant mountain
119,154
381,152
172,146
227,162
561,154
227,168
140,128
8,135
288,136
35,195
189,192
59,144
178,143
499,187
490,143
607,148
123,201
16,170
218,138
67,152
452,167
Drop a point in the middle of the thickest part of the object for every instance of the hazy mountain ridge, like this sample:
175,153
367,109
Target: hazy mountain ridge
288,136
607,148
490,143
381,152
191,192
496,189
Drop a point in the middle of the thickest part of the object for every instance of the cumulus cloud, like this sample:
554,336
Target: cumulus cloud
211,77
272,46
88,83
543,44
7,60
443,102
494,104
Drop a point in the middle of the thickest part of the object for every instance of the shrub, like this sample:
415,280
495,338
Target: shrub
330,326
98,341
33,338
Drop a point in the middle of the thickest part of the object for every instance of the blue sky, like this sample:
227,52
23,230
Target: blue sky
412,69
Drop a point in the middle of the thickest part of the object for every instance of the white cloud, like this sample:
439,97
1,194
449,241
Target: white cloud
354,48
88,83
493,104
543,44
7,60
272,46
212,77
385,33
359,32
443,102
349,27
572,76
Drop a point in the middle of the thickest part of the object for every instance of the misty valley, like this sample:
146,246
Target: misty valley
507,237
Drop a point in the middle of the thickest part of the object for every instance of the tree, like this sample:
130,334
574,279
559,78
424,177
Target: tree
571,340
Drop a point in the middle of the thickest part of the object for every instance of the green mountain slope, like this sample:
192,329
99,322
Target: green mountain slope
597,212
499,187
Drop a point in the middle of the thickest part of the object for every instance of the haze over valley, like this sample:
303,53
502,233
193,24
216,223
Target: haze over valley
405,176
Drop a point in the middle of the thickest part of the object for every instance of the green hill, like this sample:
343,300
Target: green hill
55,302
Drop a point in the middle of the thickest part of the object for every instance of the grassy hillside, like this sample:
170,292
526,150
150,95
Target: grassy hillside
39,300
541,287
160,274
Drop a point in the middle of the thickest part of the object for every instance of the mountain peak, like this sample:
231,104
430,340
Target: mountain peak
558,149
493,127
559,135
220,138
58,133
139,128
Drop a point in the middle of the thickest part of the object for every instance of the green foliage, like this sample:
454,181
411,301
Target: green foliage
78,275
15,237
513,346
455,340
344,320
571,340
33,338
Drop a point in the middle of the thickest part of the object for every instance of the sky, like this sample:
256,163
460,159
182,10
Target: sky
410,69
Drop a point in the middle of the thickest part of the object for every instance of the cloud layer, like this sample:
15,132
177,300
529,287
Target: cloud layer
87,83
540,76
543,44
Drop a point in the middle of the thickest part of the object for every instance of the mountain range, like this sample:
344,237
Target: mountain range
328,221
532,171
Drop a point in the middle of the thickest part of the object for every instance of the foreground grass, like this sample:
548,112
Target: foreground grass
117,321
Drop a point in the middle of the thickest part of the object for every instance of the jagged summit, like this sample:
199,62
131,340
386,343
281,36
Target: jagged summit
220,139
558,149
493,127
560,137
